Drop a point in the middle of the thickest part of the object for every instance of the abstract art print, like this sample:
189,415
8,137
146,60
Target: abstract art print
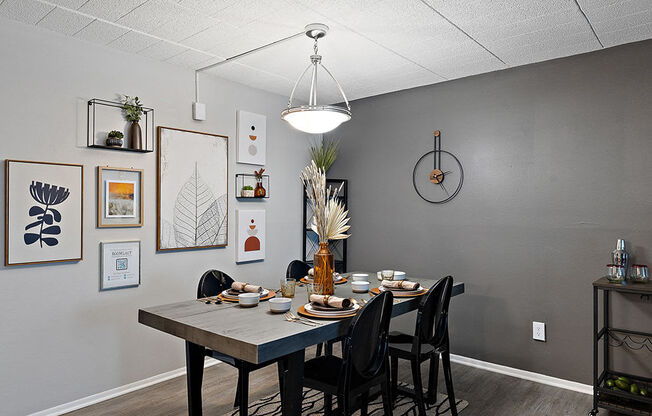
119,197
43,212
192,189
252,138
250,237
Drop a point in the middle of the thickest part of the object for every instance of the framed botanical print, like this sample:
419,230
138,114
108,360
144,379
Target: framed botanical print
250,237
119,197
252,138
43,212
119,264
192,189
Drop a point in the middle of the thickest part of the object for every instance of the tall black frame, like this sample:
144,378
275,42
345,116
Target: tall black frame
311,243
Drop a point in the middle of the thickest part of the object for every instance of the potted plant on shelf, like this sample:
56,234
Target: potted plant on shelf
114,138
260,191
324,154
247,191
133,110
329,222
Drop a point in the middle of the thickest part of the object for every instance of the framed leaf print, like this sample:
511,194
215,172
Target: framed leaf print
43,212
119,197
192,189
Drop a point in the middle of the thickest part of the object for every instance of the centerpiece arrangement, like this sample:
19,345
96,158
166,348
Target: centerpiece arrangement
329,222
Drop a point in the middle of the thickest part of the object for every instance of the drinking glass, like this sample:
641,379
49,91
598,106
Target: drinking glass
287,287
615,273
387,274
314,289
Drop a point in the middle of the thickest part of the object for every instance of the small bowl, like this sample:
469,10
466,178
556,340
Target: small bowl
279,305
399,275
359,286
363,277
248,300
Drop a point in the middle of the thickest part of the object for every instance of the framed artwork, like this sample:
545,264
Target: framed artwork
192,189
43,212
250,237
252,138
119,264
119,197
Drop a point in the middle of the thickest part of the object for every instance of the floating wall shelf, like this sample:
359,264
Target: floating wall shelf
104,116
243,179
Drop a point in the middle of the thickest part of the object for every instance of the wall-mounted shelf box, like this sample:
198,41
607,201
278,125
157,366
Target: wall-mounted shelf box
104,116
243,179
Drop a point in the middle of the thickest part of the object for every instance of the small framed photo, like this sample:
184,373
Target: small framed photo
119,264
119,197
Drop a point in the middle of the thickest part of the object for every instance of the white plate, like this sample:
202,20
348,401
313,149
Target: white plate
402,291
336,312
226,294
403,277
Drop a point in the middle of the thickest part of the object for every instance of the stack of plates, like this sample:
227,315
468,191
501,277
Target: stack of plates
336,279
327,311
233,294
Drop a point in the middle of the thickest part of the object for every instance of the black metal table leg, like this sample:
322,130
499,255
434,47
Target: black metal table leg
194,376
595,352
292,383
606,322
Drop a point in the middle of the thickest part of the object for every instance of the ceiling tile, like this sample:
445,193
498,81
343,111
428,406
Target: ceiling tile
150,15
246,11
207,7
208,39
183,24
110,10
524,56
100,32
71,4
26,11
190,59
162,50
627,35
255,78
64,21
133,42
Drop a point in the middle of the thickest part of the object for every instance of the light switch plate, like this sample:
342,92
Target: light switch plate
539,331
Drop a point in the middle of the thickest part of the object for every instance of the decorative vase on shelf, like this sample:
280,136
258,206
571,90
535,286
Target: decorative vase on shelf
114,141
247,193
324,267
260,191
136,136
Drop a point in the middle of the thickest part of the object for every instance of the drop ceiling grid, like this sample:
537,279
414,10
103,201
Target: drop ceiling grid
375,46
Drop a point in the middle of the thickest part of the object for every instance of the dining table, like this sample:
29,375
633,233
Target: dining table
256,335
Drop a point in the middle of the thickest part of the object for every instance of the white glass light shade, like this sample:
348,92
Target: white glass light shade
316,119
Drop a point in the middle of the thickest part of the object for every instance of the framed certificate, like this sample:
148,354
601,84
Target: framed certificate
119,264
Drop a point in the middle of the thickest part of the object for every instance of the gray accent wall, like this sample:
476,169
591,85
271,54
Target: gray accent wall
60,338
558,165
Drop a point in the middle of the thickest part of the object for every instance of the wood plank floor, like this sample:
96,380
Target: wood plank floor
488,394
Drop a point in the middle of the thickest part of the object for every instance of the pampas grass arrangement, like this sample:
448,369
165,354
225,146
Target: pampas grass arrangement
330,221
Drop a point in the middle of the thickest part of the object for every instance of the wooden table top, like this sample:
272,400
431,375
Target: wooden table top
255,334
625,287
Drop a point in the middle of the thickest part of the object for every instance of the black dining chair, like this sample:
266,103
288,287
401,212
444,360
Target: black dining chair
430,339
212,283
364,363
296,270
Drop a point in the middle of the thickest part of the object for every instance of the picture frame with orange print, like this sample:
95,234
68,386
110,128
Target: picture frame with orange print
119,197
252,138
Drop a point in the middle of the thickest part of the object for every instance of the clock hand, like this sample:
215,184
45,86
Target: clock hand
444,188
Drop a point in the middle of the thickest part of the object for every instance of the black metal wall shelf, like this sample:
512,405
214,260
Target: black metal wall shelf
96,134
242,179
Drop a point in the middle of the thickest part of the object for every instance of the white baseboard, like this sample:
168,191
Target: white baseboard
118,391
471,362
525,375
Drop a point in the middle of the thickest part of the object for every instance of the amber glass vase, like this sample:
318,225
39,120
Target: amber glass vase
324,267
260,191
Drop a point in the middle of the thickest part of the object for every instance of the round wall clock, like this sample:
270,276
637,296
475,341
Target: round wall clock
438,174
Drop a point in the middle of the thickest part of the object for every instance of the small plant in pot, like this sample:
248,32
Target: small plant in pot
133,110
247,191
114,138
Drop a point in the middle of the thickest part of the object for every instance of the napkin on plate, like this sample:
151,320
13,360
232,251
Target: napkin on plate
332,301
246,287
400,285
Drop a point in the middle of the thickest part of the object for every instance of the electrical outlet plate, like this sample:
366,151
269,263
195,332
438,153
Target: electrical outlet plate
539,331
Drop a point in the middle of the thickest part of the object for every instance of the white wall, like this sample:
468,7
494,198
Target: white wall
61,339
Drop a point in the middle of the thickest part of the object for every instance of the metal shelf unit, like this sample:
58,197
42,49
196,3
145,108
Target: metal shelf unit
91,127
604,397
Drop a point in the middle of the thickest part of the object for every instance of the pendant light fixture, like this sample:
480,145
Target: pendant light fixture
314,118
